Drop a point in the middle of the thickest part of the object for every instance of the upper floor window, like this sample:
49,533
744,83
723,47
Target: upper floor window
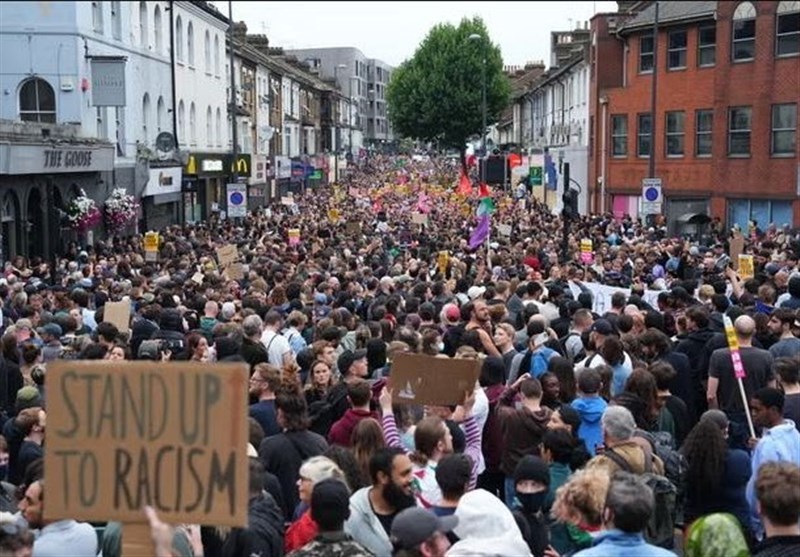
37,102
207,52
743,46
675,133
157,29
644,136
116,20
97,17
181,123
179,39
646,54
192,124
676,52
619,135
707,45
784,129
739,129
144,38
787,33
216,55
704,131
145,118
190,44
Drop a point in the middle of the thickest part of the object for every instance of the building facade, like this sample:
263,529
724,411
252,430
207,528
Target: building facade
724,136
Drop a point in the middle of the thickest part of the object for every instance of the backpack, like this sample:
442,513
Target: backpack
565,351
660,529
321,413
675,464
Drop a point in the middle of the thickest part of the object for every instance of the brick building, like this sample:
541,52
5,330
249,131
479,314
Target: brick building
728,88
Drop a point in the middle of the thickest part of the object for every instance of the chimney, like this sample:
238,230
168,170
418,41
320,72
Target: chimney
260,42
240,31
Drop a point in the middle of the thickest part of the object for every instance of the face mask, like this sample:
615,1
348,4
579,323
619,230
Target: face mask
3,472
532,502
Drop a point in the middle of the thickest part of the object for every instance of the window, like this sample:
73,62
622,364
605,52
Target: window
744,33
216,55
116,20
219,128
181,123
675,133
207,52
179,39
703,132
161,116
192,125
157,29
676,52
762,211
619,135
144,38
646,54
707,45
787,33
145,118
784,129
37,102
209,127
97,17
643,143
739,125
190,44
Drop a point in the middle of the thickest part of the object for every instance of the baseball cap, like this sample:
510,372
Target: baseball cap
52,329
148,350
603,327
347,358
414,525
452,314
475,292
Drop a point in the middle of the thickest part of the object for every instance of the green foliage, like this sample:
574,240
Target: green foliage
436,95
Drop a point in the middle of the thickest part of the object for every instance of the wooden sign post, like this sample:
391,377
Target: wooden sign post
172,436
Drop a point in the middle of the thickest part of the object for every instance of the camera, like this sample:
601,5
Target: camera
722,263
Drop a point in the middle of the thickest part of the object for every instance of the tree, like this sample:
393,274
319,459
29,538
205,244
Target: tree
436,95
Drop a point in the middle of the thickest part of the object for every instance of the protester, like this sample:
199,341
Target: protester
778,495
419,532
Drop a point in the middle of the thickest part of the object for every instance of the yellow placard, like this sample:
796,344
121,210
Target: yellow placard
333,215
746,270
151,241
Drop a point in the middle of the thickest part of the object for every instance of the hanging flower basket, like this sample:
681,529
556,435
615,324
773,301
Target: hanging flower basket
120,210
83,213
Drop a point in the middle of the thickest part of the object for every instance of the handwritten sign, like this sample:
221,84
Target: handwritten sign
333,215
587,255
234,271
735,249
294,236
118,314
504,229
733,344
418,379
287,200
746,270
442,260
151,240
173,436
227,255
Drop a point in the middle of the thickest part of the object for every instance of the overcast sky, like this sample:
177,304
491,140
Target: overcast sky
391,31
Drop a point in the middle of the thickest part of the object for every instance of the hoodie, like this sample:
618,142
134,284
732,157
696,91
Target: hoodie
591,410
342,430
364,525
522,431
264,533
486,527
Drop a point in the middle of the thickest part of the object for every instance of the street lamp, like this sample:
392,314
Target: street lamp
477,37
337,122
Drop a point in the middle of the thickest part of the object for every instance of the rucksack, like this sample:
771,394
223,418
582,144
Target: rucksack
675,464
660,529
581,355
321,413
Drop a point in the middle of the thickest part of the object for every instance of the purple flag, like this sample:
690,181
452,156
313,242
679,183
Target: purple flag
481,232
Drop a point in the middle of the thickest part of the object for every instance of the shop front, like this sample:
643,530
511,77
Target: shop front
37,183
203,182
162,197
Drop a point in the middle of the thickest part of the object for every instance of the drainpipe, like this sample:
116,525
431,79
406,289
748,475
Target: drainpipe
603,152
181,201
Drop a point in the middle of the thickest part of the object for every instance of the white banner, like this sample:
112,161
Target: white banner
601,295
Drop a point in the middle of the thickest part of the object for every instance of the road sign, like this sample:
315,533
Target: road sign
237,200
537,175
652,197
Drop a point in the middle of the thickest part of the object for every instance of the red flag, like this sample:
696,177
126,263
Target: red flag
483,190
464,185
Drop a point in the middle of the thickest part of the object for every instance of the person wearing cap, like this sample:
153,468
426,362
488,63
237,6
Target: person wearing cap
531,485
51,337
330,508
418,532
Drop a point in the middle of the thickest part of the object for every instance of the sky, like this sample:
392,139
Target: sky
391,31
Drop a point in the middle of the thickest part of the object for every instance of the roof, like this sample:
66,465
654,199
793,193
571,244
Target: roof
670,12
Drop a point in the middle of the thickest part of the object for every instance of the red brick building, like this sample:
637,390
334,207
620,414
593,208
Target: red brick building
726,133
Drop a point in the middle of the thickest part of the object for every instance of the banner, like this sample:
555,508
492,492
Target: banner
601,295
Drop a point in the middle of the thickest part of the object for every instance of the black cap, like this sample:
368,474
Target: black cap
532,468
603,327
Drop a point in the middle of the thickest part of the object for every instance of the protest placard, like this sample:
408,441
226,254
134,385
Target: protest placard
173,436
736,247
353,228
294,236
504,229
118,314
151,240
418,379
234,271
227,255
419,218
746,268
587,255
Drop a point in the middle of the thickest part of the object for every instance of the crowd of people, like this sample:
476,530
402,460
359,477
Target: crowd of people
592,430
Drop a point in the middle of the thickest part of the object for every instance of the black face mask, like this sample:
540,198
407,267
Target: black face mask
532,502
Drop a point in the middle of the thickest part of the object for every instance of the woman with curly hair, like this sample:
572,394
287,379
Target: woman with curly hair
717,476
579,510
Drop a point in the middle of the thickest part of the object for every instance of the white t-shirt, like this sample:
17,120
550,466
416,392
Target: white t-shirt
276,345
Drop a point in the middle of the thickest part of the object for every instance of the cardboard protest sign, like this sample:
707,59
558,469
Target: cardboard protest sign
333,215
118,314
227,255
735,249
151,240
234,271
198,278
586,251
419,218
287,200
353,228
442,260
294,236
173,436
418,379
504,229
746,269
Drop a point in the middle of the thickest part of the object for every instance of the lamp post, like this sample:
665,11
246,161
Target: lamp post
338,128
477,37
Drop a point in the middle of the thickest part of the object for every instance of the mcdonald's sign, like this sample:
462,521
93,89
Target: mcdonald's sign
241,165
